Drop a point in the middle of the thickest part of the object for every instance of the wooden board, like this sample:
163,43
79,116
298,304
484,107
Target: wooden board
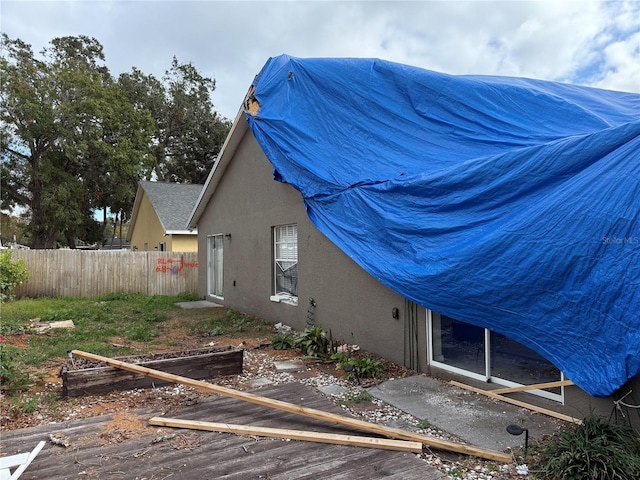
536,386
528,406
197,366
333,438
309,412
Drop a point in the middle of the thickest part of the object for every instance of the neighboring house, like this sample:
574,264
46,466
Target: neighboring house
112,244
159,218
265,257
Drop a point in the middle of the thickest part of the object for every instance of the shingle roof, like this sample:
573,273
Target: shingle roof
173,202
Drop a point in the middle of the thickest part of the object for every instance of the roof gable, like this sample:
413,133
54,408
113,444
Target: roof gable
172,202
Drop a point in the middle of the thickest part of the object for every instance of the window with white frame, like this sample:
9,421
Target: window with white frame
285,243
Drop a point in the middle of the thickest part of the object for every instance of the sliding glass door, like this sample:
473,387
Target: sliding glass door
484,355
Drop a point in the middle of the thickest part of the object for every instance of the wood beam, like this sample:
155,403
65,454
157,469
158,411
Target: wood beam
490,394
335,439
536,386
307,412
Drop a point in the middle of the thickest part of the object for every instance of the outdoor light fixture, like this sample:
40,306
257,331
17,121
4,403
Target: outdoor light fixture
227,236
352,368
517,430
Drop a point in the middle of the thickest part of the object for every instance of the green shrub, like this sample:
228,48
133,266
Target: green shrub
283,341
313,342
596,449
359,366
12,274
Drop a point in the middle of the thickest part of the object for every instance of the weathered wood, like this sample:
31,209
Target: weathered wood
536,386
528,406
232,457
308,412
91,273
198,366
333,438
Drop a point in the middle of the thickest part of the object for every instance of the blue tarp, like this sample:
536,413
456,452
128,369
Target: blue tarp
508,203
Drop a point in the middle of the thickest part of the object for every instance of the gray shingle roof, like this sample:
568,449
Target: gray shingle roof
173,202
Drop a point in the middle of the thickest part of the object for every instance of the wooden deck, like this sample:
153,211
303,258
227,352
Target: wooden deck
99,447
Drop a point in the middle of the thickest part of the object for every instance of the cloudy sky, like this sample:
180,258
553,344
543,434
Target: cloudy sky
594,43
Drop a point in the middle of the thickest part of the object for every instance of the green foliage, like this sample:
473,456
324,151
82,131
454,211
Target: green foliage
596,449
424,424
141,332
313,342
225,322
283,341
358,366
12,377
71,140
97,321
361,397
238,320
187,133
12,274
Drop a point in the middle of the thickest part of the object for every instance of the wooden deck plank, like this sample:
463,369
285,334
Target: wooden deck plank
215,455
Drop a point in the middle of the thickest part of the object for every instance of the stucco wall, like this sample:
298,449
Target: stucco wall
183,243
247,204
147,228
355,306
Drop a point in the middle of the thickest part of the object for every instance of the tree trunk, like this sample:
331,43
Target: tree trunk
44,240
41,238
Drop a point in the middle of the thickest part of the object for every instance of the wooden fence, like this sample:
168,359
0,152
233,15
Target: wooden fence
90,273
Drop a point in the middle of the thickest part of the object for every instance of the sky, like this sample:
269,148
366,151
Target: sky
594,43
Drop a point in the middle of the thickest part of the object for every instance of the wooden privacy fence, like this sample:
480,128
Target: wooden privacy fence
90,273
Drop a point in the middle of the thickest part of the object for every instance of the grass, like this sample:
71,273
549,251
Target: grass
357,398
229,323
132,320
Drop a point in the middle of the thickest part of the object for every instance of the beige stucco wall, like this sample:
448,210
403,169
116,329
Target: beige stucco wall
148,229
183,243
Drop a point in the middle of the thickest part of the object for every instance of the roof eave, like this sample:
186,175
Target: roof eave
238,129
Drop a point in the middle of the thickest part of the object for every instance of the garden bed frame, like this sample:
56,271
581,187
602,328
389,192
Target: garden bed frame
197,364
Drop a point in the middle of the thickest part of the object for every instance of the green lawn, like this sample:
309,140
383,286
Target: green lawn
141,324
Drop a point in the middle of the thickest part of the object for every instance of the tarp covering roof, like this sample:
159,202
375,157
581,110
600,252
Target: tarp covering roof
508,203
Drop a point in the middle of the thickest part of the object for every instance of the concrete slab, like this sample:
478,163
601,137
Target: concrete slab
476,419
332,389
198,304
290,366
260,382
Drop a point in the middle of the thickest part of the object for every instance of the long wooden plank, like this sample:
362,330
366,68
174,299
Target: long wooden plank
536,386
535,408
333,438
307,412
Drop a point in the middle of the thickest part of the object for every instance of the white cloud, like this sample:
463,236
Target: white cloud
588,42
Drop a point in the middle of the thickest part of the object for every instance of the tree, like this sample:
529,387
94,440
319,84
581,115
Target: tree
188,133
71,141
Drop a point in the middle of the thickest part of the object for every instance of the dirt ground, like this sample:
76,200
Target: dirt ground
52,407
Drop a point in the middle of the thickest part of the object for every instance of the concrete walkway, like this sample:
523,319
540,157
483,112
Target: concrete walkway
479,420
198,304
